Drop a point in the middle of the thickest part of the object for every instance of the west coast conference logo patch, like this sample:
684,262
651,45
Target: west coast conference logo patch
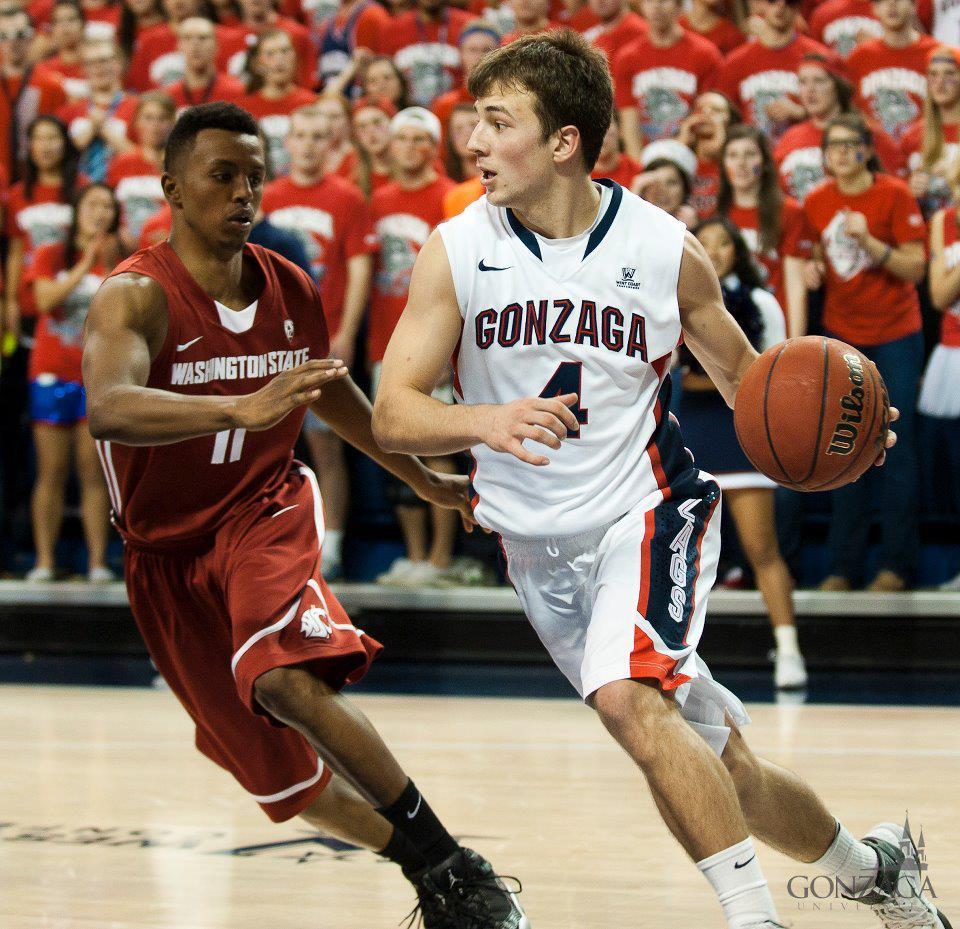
627,279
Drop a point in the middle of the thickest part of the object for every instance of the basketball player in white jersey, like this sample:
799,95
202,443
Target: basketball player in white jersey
560,300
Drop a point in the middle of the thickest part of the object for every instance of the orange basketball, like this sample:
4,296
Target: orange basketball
812,413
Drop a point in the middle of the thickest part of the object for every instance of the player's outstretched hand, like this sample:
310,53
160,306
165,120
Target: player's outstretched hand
537,418
288,390
891,438
451,491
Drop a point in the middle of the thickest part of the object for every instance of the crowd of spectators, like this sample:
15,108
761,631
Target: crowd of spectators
811,145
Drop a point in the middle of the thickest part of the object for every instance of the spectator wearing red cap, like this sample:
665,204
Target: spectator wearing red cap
476,40
617,26
135,175
869,254
613,161
841,25
158,60
709,18
532,16
346,37
405,212
889,74
424,44
704,131
824,93
761,76
932,143
202,80
371,130
771,223
66,37
657,77
273,94
28,93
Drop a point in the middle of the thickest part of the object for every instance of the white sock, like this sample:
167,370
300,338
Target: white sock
332,544
740,885
850,861
786,637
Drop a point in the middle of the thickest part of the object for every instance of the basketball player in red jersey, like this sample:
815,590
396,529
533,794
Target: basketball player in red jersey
202,353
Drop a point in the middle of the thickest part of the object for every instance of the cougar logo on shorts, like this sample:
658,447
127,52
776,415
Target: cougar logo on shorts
313,623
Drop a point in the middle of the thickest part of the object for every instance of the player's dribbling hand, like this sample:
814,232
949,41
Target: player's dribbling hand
451,491
891,438
536,418
288,390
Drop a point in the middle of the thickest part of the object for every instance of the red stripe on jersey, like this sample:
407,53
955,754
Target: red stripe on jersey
660,364
696,571
475,499
655,462
643,601
454,359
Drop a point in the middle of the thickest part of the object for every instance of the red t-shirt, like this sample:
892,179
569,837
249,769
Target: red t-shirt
274,119
581,19
72,76
891,83
44,95
123,111
706,186
333,221
725,34
663,82
866,305
403,220
611,39
42,219
136,182
223,87
625,171
754,76
950,324
428,53
799,157
157,61
841,24
58,345
164,493
792,242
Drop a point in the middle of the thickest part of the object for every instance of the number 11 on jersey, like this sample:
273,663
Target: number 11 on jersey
567,379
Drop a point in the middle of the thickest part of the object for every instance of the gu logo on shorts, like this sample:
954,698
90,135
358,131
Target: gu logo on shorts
313,623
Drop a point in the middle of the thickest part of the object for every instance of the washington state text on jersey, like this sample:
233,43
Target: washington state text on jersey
237,367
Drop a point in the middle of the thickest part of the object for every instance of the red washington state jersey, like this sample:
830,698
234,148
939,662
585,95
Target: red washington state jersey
164,494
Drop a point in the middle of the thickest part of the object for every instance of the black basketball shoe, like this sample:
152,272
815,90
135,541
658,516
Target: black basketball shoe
474,896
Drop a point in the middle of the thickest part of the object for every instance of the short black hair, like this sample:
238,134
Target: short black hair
217,115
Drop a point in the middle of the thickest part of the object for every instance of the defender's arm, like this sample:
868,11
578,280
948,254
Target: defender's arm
711,332
126,328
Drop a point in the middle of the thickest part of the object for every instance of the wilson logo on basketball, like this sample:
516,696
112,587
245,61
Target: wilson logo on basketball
848,426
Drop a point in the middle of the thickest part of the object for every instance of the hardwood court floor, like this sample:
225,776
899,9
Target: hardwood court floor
109,819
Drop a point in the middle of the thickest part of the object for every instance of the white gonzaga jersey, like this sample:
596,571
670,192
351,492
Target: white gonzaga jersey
599,318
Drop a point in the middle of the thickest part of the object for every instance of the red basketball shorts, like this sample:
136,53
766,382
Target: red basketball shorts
253,600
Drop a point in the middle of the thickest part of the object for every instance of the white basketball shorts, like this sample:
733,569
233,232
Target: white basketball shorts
627,600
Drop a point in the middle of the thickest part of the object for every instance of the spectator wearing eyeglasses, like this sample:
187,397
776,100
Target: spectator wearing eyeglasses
18,108
869,253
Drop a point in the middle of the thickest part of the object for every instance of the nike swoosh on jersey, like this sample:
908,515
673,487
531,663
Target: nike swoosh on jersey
486,267
187,345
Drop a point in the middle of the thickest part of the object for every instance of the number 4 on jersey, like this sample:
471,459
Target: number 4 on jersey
567,380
